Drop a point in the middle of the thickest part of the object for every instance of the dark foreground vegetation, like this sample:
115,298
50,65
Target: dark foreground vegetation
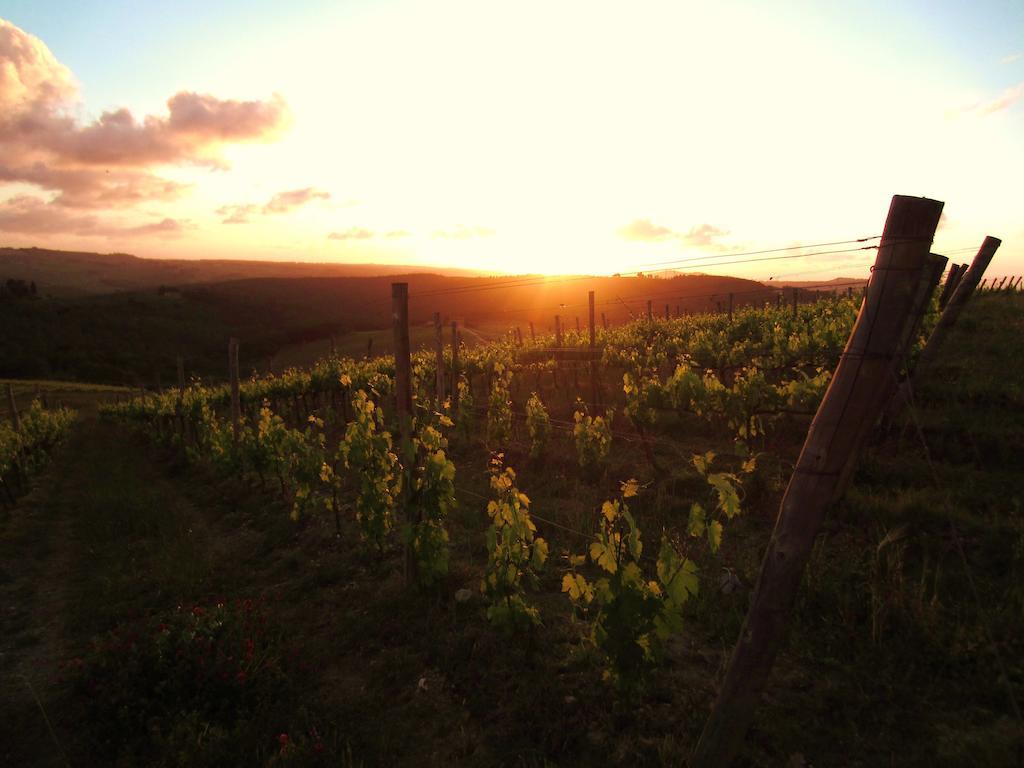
160,613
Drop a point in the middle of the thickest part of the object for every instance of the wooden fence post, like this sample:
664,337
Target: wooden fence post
851,405
593,352
955,273
604,321
455,366
439,349
956,304
236,406
13,405
533,334
403,405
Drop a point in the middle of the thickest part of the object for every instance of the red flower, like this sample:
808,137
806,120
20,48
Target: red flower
283,740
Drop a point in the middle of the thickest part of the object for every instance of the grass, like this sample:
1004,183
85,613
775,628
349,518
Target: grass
889,660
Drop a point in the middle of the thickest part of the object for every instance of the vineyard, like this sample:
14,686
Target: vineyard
541,550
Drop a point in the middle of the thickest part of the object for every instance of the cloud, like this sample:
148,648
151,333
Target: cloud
283,202
355,233
31,215
397,233
89,188
111,161
237,214
464,233
645,231
703,236
1012,57
1004,100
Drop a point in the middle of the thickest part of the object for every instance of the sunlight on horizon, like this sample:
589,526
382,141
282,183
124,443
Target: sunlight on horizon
555,139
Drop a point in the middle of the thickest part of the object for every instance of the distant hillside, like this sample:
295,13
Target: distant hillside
824,285
365,303
66,273
134,337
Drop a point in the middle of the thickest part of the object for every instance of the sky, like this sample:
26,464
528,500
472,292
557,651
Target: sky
556,137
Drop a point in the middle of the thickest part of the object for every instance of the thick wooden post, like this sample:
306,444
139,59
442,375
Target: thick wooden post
533,334
13,405
455,366
650,311
604,321
236,405
957,302
851,405
577,324
949,285
439,349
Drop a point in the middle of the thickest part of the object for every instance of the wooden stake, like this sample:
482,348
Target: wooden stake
236,407
604,321
650,311
455,366
851,405
439,348
593,350
403,405
956,305
577,325
13,405
730,307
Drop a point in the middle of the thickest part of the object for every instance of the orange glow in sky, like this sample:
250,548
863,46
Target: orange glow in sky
569,137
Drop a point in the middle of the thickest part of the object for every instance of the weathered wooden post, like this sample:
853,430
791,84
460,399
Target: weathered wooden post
236,405
577,325
851,405
604,321
956,305
13,405
593,352
455,366
778,300
650,311
533,334
403,406
369,347
439,357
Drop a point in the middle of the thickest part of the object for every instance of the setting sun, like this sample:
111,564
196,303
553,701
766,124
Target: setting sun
508,138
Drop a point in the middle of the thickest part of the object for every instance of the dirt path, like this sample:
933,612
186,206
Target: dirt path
103,529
